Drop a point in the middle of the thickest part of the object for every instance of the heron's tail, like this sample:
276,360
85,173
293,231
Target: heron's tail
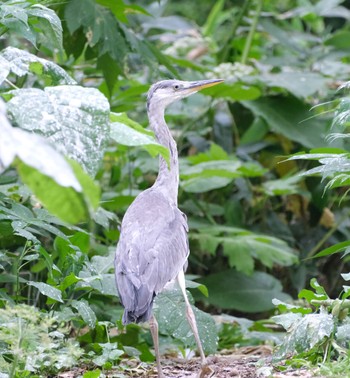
132,317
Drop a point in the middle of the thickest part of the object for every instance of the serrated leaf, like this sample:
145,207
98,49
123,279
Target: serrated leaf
99,25
47,290
74,119
170,311
32,21
85,312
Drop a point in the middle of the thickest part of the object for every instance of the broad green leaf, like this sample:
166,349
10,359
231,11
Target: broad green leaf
204,184
96,274
215,152
129,133
235,91
299,84
68,281
303,333
34,151
233,290
85,311
48,23
291,118
282,186
209,175
339,39
110,353
195,285
91,190
21,62
57,199
170,311
74,119
47,290
92,374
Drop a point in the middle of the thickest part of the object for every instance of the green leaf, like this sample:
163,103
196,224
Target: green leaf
34,151
99,25
235,91
129,133
303,332
96,274
209,175
340,39
282,306
299,84
91,190
21,63
110,353
336,248
170,311
69,281
74,119
32,22
196,285
47,290
85,312
291,118
92,374
233,290
48,23
282,186
57,199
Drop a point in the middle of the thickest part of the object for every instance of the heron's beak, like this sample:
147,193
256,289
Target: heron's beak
198,85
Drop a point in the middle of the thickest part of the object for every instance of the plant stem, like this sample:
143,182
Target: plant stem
326,236
249,40
223,55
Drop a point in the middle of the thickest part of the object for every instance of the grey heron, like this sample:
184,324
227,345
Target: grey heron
153,245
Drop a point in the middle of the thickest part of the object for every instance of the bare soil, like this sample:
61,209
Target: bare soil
242,363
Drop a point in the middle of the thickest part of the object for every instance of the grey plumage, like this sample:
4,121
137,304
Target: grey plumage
152,249
153,245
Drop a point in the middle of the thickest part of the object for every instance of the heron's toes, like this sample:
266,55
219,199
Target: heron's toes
206,371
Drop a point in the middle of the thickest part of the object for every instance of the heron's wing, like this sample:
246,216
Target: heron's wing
152,249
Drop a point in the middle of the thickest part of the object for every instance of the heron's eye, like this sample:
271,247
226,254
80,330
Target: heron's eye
176,87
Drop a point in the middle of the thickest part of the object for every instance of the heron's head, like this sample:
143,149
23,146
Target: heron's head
166,92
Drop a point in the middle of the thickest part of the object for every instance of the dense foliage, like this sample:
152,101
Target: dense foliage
264,173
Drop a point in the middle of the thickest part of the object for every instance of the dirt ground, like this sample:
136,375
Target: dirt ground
243,363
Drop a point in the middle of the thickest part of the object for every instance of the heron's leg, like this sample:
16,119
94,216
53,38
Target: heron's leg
190,315
153,324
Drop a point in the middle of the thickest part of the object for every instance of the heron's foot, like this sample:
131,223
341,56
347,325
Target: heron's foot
206,371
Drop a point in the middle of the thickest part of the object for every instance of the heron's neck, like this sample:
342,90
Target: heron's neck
168,176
